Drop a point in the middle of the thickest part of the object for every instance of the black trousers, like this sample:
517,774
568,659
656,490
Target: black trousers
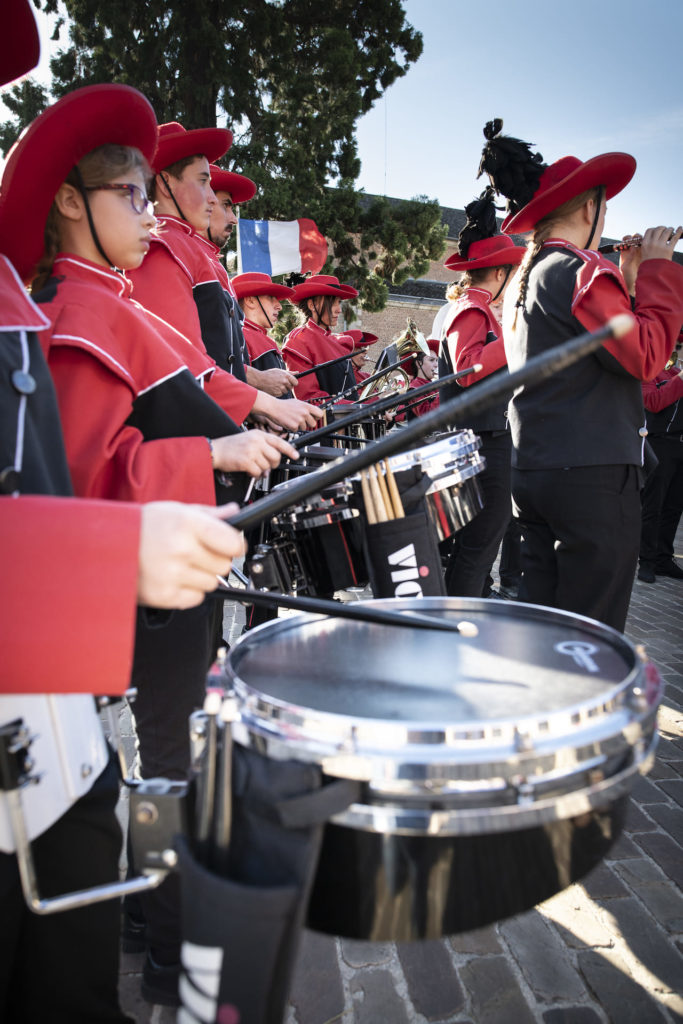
475,546
63,968
172,655
662,500
580,537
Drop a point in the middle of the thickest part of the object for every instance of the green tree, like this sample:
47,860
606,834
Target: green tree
290,78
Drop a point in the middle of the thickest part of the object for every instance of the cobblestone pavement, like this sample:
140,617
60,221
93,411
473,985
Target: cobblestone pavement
607,951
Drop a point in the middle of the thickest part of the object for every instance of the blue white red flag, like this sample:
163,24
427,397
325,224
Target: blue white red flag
280,246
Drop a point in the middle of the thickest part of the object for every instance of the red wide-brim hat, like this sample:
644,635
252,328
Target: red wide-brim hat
567,178
19,41
175,143
323,284
497,251
259,284
38,163
241,188
434,345
361,339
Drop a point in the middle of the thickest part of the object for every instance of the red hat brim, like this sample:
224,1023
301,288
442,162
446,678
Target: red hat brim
259,284
496,251
213,143
38,163
241,188
361,339
19,42
611,170
323,284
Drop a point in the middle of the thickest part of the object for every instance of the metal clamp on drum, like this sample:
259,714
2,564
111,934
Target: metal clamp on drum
495,763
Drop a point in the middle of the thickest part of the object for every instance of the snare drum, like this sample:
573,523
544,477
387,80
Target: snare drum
369,428
452,464
494,769
327,533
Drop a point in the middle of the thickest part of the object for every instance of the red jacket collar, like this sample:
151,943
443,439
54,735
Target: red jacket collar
76,267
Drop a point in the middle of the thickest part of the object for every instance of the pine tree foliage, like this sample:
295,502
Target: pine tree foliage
290,78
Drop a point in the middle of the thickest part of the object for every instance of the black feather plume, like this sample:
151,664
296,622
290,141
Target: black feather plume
481,221
513,170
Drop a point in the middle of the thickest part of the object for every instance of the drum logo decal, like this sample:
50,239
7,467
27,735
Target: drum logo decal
407,577
581,652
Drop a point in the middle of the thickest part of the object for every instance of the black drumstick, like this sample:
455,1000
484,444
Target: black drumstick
363,611
321,366
366,381
534,371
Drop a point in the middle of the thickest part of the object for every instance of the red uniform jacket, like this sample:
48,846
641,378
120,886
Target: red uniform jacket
181,281
132,410
81,557
264,353
309,346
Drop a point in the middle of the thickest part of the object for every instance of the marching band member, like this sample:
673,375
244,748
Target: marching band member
578,438
231,189
180,281
259,297
362,340
471,334
93,560
136,419
319,298
426,369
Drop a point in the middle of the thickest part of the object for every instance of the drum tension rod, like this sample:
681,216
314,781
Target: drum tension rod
363,611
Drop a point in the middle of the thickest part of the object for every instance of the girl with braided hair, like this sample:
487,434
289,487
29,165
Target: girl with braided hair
471,334
577,439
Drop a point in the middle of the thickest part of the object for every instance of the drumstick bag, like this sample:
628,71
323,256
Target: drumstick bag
403,558
241,933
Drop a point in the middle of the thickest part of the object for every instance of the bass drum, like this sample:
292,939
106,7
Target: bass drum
494,764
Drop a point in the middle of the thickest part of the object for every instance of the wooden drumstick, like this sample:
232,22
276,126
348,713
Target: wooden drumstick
367,498
393,491
386,500
380,510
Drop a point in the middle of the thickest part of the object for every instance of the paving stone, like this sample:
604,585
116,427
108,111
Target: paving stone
572,1015
542,958
575,917
494,992
364,954
375,999
663,770
637,820
623,849
479,941
639,872
674,789
670,819
665,852
664,902
317,991
431,978
648,943
602,883
647,792
624,1001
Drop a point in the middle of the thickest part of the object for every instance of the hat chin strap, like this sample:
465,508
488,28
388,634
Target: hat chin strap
505,281
258,299
91,223
598,207
175,201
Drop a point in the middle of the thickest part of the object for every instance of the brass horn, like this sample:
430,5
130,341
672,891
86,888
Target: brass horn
410,343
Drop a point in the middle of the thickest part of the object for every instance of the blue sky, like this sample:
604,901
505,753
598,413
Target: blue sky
585,77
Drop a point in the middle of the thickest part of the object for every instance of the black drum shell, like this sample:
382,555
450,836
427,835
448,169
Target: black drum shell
386,887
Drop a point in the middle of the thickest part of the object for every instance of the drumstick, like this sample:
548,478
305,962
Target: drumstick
393,491
380,510
386,500
367,498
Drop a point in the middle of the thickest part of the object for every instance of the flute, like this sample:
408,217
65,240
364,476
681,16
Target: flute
633,243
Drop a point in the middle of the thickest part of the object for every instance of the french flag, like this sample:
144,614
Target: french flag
280,246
